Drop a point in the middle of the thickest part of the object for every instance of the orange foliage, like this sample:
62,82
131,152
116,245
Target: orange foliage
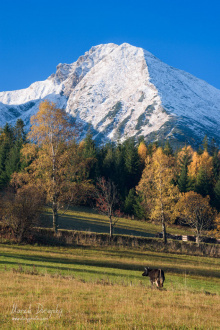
142,151
56,163
201,161
156,186
195,210
184,152
216,231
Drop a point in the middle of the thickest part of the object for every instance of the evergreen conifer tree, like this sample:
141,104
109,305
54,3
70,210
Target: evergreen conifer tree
203,184
6,143
167,150
129,202
213,147
183,181
133,205
108,164
132,163
205,143
89,146
216,165
217,195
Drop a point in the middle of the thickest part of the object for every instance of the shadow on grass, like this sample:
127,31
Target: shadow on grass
104,264
72,270
124,253
110,252
81,223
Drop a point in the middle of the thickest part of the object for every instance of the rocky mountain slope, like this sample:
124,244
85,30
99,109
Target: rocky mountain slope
124,91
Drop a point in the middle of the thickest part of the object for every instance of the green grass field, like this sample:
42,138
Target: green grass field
89,287
104,289
87,219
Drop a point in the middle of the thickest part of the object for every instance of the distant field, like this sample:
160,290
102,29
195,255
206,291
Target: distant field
92,288
87,219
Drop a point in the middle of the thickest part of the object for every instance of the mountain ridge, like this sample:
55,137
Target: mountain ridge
123,91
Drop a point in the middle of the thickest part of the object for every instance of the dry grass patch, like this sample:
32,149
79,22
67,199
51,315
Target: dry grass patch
75,304
92,288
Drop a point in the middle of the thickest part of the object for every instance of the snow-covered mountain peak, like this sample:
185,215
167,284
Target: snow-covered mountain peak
124,91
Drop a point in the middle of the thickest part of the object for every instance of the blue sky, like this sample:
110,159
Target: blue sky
35,36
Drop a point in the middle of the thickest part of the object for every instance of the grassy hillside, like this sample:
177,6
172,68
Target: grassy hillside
87,219
91,288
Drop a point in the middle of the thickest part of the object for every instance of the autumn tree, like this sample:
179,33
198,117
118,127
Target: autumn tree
107,202
54,159
195,211
184,155
216,231
201,164
142,151
157,190
20,210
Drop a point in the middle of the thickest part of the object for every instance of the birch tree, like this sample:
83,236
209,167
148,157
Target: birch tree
156,188
195,211
107,202
55,160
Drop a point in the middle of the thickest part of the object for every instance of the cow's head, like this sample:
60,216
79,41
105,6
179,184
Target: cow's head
146,273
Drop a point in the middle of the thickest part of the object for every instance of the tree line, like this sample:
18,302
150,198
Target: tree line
49,166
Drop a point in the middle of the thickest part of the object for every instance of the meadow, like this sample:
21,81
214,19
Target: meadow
88,219
88,287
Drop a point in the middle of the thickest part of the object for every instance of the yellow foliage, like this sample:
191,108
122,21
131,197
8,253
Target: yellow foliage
206,163
55,163
186,151
196,211
50,125
194,165
82,145
29,152
156,187
203,161
216,231
142,151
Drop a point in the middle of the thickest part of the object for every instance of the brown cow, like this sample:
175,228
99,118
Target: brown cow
156,276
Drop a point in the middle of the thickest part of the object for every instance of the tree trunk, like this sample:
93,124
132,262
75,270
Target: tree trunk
111,227
55,216
162,211
54,205
163,224
197,237
164,230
